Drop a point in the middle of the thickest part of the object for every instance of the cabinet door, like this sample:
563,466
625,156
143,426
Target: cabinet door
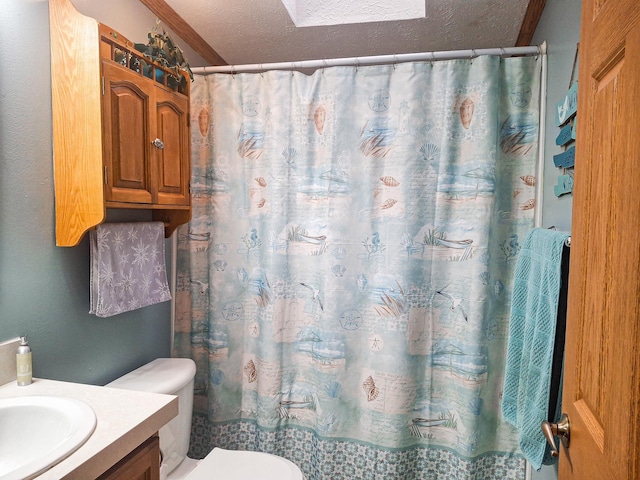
141,464
127,115
171,162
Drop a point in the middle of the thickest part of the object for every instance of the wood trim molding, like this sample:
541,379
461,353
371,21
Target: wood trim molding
530,22
181,28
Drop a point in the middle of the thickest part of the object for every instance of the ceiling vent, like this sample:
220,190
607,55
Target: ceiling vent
313,13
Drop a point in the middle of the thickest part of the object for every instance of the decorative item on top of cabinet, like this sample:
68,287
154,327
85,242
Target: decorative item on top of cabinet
121,128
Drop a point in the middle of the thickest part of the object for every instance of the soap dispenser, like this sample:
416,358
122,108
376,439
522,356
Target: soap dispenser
23,363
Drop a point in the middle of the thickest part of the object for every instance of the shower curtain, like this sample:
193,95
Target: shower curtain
344,283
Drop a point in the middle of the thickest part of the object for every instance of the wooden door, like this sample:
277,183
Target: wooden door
602,358
127,115
171,163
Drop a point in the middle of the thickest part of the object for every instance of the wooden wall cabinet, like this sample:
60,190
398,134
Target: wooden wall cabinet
121,131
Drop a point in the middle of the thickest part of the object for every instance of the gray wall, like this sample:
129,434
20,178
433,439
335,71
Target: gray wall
133,20
44,289
560,27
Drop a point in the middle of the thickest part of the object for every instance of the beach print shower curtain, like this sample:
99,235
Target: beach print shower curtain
344,284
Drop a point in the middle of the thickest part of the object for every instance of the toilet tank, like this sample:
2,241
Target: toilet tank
171,376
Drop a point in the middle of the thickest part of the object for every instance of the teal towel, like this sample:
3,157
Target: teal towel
532,329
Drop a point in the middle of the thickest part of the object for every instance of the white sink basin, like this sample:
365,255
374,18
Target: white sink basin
36,432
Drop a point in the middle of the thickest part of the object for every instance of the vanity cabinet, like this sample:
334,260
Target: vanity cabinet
121,128
141,464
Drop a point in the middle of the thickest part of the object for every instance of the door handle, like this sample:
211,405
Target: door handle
561,429
159,144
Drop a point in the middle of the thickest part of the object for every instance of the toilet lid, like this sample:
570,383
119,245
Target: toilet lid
223,464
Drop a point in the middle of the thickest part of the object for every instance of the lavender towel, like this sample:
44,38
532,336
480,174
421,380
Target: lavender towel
127,267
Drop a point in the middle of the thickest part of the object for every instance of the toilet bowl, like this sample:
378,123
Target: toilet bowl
175,376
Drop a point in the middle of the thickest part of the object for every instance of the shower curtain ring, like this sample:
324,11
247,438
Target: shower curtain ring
357,64
395,61
261,71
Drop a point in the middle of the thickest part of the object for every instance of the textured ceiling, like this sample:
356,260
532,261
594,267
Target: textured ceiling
261,31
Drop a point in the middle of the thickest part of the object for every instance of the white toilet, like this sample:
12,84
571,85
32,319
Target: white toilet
174,376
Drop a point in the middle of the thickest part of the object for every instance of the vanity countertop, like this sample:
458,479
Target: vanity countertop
125,419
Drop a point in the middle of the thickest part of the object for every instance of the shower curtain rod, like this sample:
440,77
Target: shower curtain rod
374,60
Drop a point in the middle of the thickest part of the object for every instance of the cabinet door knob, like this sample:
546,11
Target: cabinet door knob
159,144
